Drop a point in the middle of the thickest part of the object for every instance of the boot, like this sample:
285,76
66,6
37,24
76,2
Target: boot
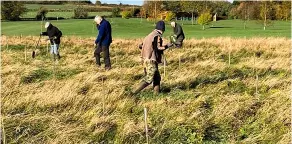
141,86
156,90
58,56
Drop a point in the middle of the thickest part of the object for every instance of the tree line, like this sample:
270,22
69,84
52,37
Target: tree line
265,11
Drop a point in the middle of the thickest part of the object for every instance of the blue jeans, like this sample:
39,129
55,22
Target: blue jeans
54,49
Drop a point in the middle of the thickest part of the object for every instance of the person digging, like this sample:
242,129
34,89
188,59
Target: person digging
151,53
54,35
178,37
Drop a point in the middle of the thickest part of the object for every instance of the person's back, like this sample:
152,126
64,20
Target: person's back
150,44
105,33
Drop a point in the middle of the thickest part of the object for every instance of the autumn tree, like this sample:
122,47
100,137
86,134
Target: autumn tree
286,7
265,11
153,8
244,12
192,7
204,19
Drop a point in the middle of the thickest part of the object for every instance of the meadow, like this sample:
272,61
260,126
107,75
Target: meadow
137,28
214,90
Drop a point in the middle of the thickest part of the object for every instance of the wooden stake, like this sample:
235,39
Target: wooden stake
254,59
25,53
42,24
146,126
6,43
229,58
164,65
47,48
179,61
116,60
3,131
257,79
103,99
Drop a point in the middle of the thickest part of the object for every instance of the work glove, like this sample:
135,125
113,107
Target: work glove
140,46
168,45
172,39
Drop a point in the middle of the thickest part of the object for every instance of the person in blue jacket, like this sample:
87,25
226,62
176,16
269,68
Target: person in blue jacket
103,41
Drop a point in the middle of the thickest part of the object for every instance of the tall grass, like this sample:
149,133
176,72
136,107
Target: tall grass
203,101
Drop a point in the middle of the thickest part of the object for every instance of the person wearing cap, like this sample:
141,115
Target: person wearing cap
178,37
103,41
151,54
54,35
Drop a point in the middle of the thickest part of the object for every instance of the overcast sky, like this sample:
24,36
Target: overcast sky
132,2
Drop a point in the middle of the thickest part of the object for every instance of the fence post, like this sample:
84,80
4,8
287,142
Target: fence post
146,126
25,53
164,65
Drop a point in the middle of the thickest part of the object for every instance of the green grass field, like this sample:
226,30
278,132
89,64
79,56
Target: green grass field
37,6
65,15
133,28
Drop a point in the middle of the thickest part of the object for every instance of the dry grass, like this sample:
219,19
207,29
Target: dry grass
203,100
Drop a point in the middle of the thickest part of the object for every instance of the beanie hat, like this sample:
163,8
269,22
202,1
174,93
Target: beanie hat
160,25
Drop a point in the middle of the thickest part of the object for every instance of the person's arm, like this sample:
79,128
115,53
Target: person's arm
159,45
44,33
140,46
101,33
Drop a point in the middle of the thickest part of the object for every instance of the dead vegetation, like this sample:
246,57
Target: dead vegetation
204,99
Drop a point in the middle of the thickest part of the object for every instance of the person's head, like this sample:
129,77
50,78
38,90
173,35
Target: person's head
160,25
47,24
98,19
172,24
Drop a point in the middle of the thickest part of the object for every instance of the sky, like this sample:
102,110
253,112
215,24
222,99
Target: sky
131,2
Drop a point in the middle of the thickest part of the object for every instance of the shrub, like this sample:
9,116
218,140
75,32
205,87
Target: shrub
80,12
126,14
135,12
41,13
116,11
204,19
12,10
169,16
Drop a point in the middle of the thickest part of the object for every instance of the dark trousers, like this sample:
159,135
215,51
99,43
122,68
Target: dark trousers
106,57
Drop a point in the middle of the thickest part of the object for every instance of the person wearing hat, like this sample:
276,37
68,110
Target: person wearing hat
151,54
178,37
54,35
103,41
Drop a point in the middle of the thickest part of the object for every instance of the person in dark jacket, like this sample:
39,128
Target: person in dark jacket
103,41
54,35
178,37
151,55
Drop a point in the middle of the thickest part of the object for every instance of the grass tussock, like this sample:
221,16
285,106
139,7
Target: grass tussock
203,99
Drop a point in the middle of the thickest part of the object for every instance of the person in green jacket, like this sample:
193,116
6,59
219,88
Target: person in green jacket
178,37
